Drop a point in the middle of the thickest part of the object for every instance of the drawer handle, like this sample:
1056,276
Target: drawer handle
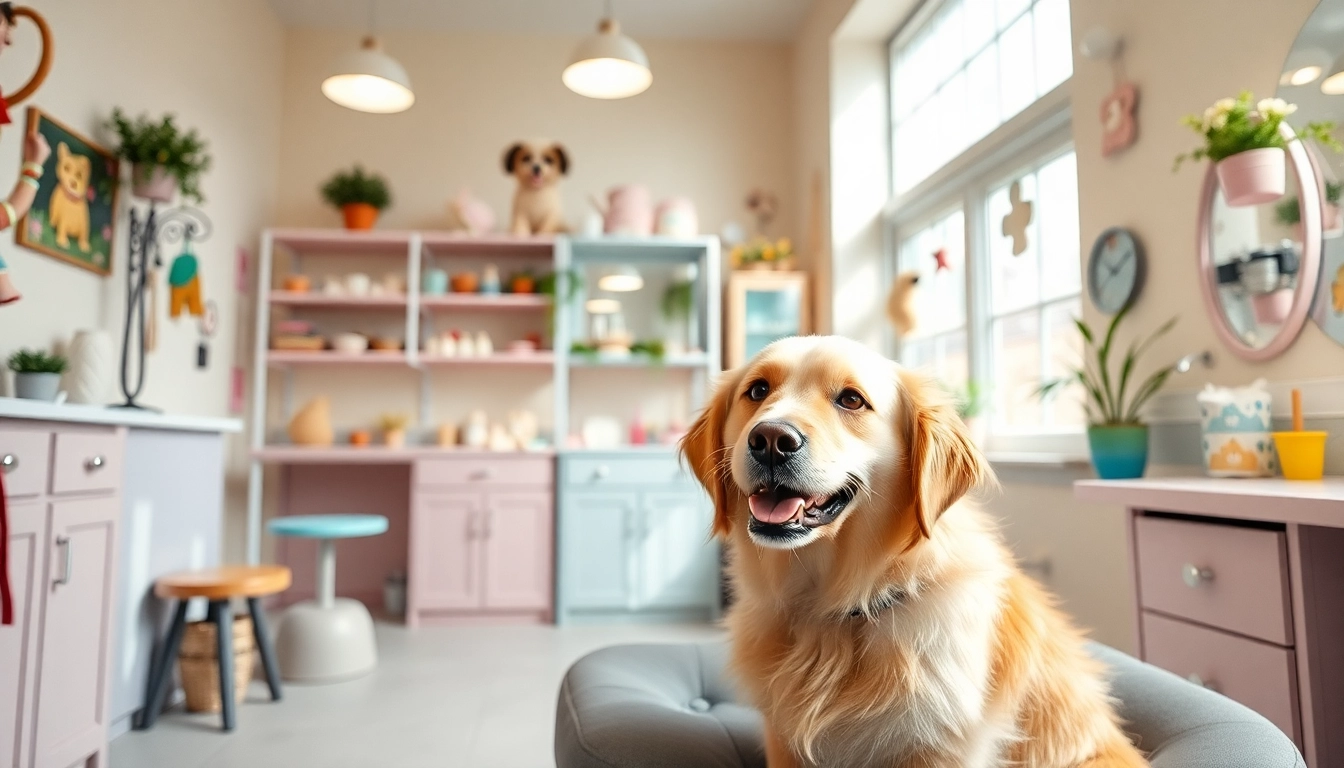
482,474
1193,575
96,462
9,463
64,543
1201,682
601,472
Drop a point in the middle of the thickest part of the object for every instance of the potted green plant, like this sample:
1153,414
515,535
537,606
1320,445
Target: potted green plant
970,403
1244,140
164,159
761,253
393,426
1116,434
37,375
1289,211
360,196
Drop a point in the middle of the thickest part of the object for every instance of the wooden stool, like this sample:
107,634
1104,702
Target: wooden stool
218,585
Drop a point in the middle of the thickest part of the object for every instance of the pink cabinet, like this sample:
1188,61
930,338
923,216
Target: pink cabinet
54,672
517,546
481,548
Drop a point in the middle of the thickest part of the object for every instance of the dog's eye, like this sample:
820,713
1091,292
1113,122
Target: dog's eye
547,160
850,400
758,390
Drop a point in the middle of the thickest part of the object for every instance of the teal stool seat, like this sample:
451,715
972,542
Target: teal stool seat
327,639
328,526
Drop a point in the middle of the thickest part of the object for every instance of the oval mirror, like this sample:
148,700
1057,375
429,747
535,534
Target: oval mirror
1260,262
1313,79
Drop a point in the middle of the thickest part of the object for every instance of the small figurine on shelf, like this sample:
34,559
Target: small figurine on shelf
500,439
484,346
490,284
448,346
476,433
394,429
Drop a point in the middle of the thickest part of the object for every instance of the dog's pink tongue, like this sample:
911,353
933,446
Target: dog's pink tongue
767,510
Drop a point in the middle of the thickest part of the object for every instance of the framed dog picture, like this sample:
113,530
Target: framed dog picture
73,217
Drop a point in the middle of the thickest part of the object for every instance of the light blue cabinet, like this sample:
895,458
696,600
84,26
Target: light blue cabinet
634,541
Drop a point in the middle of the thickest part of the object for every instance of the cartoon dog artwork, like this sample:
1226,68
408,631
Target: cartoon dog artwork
70,201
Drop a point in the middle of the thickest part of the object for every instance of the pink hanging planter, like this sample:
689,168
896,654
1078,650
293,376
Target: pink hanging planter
1252,177
1272,308
153,183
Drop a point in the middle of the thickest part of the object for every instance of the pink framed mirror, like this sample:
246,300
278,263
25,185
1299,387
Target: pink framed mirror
1259,264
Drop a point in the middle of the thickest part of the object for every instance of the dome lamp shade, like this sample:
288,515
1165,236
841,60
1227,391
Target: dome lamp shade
608,65
368,80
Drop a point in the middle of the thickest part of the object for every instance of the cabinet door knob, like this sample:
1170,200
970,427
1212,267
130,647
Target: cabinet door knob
96,462
601,472
1193,575
64,543
483,474
9,463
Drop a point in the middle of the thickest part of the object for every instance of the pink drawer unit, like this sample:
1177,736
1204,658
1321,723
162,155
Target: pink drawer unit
1260,675
1230,577
25,455
86,461
503,470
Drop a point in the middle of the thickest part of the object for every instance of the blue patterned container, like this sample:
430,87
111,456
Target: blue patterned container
1236,431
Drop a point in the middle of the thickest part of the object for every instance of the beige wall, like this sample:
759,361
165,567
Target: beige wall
1178,55
715,123
215,66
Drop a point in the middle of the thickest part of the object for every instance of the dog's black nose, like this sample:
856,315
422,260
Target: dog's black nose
774,442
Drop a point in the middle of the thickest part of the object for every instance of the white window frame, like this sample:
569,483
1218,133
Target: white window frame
1035,135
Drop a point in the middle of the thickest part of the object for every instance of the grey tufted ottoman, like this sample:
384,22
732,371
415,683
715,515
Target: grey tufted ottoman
668,706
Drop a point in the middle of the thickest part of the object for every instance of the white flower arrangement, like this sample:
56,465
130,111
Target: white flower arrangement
1232,126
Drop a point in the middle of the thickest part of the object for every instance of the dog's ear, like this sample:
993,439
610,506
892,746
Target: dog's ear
704,451
511,156
561,157
62,151
942,463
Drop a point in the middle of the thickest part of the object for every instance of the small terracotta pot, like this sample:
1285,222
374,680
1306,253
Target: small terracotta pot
298,283
1252,177
360,437
466,282
359,215
523,284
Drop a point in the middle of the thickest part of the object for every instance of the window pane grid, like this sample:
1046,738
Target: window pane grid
971,67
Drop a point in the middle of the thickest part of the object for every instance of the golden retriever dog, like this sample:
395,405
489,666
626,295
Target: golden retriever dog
879,619
536,204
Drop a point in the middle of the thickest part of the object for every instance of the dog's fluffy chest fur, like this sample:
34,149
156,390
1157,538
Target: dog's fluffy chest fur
910,679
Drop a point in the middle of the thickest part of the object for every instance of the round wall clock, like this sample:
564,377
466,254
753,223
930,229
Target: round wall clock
1115,270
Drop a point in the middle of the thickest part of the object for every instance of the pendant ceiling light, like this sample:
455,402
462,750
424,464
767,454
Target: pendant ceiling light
608,65
368,80
621,279
1333,84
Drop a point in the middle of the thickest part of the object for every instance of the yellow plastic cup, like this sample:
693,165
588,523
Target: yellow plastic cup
1301,454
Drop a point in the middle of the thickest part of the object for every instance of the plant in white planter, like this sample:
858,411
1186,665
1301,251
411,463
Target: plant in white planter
1116,434
164,159
1244,139
37,375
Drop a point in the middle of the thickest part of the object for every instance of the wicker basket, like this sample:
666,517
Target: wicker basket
198,663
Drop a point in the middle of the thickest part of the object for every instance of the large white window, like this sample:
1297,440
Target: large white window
996,242
963,68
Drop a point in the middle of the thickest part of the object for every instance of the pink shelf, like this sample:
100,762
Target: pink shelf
343,241
293,299
494,244
328,357
374,454
482,301
535,359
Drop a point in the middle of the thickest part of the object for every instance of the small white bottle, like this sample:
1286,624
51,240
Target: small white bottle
484,346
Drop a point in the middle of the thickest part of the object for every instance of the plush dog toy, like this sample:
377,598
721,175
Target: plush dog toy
901,303
536,205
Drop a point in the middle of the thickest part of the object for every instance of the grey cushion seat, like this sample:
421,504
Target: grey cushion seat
668,706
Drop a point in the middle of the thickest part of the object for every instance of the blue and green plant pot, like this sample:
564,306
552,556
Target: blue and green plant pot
1120,451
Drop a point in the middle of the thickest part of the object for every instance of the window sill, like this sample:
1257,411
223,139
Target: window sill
1037,460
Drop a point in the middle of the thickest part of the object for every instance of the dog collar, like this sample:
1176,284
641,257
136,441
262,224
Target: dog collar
882,603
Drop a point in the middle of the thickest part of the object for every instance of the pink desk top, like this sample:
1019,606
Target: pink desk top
373,454
1318,502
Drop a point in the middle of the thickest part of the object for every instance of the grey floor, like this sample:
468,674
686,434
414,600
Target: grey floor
472,697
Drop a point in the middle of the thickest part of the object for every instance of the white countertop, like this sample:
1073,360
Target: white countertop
15,408
1308,502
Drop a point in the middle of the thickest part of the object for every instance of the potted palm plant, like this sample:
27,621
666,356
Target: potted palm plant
360,196
1116,434
37,375
1244,140
164,159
